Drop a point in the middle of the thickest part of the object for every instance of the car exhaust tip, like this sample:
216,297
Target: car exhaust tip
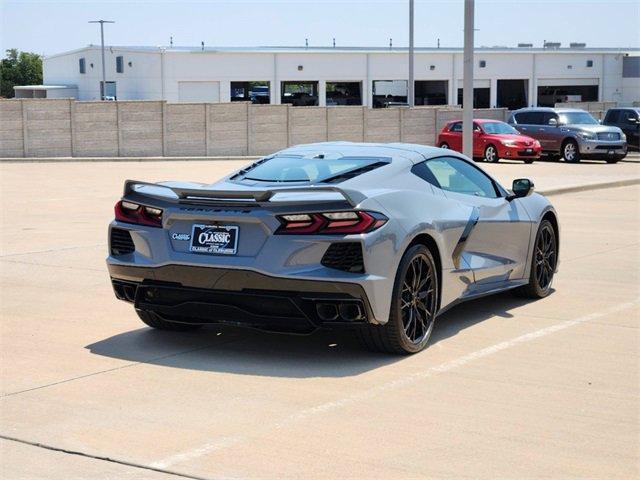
327,312
350,311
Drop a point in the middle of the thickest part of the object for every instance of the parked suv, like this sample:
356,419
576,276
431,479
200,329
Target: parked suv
571,133
627,120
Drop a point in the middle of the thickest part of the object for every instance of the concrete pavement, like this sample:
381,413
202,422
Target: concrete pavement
507,388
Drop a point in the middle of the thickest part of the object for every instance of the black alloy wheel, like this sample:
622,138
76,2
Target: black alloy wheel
414,305
543,263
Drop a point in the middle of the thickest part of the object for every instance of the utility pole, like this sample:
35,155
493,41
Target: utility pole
467,85
411,96
104,76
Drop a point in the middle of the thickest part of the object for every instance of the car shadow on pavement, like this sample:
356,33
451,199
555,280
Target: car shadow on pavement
240,351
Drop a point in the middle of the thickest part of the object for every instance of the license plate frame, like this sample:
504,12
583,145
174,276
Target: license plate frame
214,239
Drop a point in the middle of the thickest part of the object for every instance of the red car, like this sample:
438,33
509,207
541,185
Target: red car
492,140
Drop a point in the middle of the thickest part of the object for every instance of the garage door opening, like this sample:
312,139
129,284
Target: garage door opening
548,96
300,94
480,97
344,93
431,92
110,93
512,94
389,93
254,92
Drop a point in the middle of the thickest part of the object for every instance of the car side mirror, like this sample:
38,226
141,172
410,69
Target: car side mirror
522,187
553,122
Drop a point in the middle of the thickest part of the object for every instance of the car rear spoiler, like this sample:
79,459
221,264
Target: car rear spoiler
202,195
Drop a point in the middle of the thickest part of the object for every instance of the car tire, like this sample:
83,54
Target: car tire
570,151
491,154
154,321
529,161
412,301
543,263
444,145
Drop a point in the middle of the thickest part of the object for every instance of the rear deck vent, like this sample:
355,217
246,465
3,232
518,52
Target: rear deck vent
345,256
121,242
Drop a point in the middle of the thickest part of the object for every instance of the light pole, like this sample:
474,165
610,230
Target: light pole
411,92
467,84
104,78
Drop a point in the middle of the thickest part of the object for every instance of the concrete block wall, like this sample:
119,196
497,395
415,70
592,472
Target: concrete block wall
95,129
597,109
268,128
307,125
47,127
140,127
418,125
63,128
227,128
345,124
11,139
185,130
382,125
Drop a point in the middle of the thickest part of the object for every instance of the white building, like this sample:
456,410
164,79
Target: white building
504,77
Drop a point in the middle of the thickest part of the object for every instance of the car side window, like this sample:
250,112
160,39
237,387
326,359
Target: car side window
529,118
456,175
546,116
421,170
456,127
612,116
629,117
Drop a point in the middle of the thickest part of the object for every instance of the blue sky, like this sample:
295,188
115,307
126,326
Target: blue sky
48,26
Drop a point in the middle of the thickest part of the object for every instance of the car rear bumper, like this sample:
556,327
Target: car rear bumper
201,295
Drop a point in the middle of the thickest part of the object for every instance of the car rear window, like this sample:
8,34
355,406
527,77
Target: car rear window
305,169
529,118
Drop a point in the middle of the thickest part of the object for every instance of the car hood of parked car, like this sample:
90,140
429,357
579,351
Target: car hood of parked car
593,128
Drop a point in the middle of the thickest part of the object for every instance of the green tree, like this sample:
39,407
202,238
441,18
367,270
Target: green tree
19,68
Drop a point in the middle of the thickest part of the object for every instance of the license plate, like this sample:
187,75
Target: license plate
529,150
217,239
611,152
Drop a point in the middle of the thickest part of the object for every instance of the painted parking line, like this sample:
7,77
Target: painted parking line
402,382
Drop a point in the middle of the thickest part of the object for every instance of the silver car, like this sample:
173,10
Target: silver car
381,238
571,133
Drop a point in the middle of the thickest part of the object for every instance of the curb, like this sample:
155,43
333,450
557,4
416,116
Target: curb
590,186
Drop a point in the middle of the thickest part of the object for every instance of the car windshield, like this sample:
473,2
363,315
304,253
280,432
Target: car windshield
577,118
304,169
499,128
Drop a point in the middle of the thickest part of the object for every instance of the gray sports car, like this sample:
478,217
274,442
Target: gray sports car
378,237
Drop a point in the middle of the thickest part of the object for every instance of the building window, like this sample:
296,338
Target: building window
83,65
589,63
119,64
254,92
483,63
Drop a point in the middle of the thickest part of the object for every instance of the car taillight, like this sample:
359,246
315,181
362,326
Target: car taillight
327,223
139,214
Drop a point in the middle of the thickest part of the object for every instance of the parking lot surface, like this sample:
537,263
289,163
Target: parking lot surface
508,388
